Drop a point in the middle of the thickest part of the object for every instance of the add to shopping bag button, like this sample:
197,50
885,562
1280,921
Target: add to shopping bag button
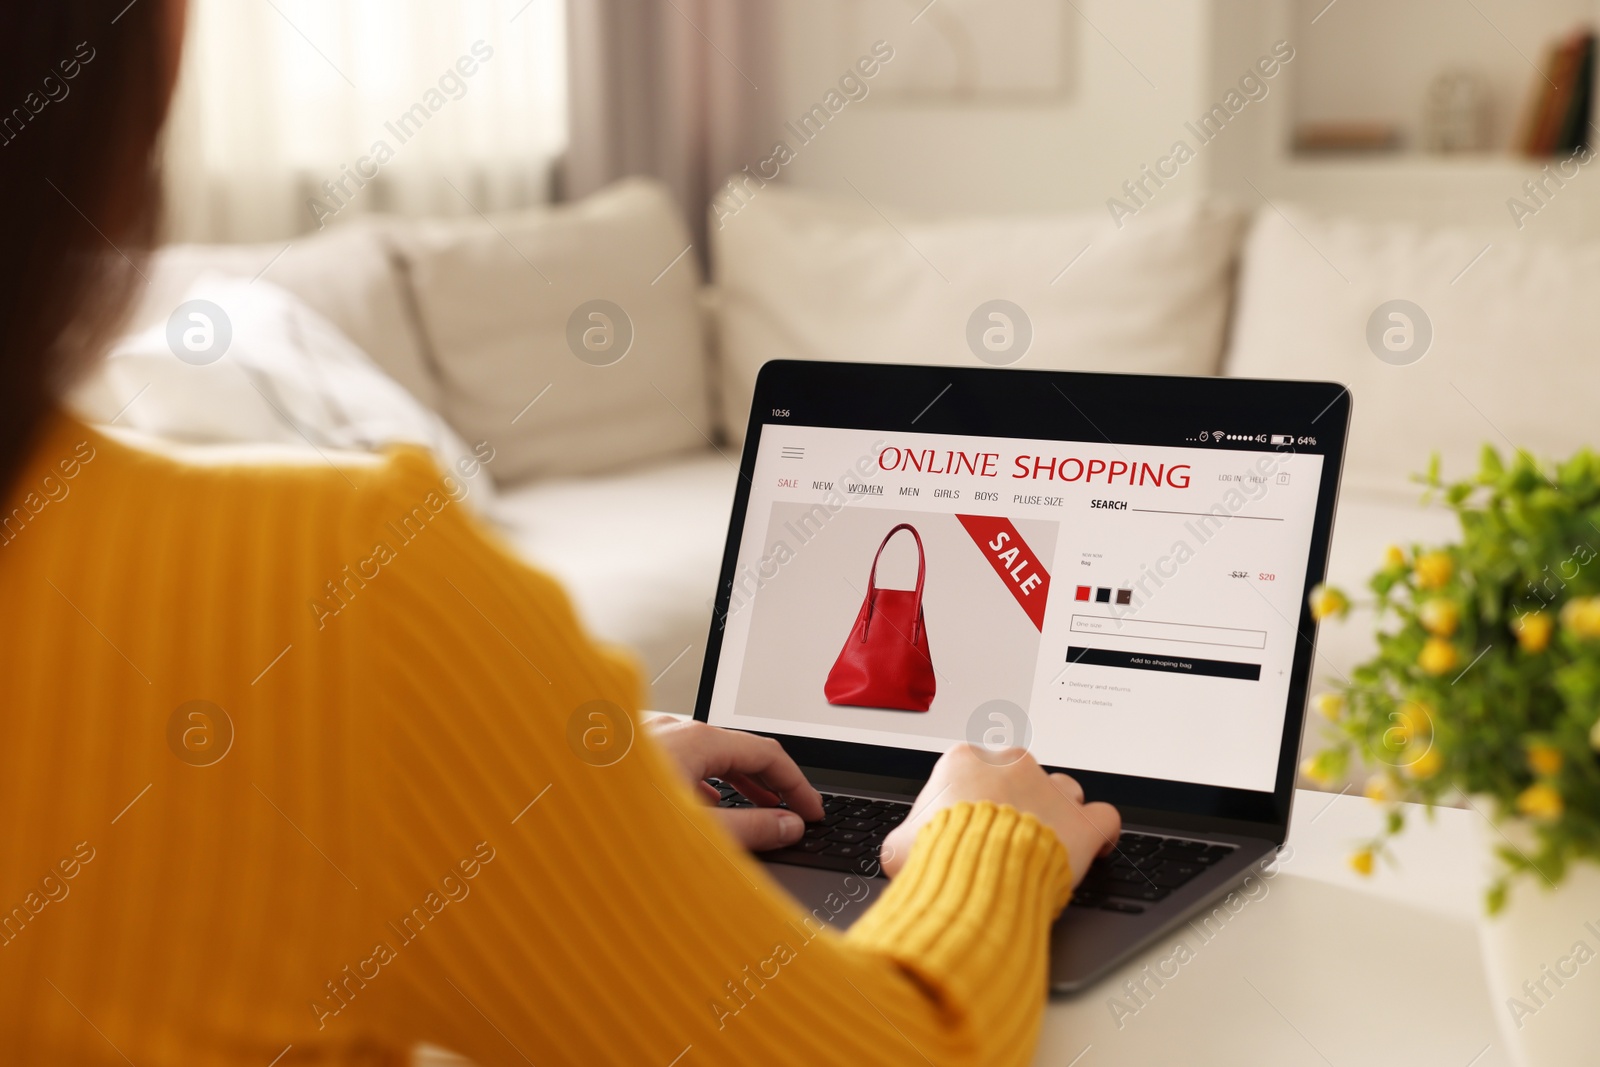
1151,661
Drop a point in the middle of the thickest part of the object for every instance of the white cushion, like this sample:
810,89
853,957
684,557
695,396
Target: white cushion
638,552
804,276
496,296
287,377
1509,363
348,274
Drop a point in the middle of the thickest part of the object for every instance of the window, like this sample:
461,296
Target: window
291,113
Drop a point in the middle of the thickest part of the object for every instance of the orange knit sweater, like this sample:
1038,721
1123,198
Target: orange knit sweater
285,778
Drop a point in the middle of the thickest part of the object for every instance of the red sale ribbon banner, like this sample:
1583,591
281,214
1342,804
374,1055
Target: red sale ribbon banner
1019,569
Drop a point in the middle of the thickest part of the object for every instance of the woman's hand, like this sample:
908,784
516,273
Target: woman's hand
1010,776
757,767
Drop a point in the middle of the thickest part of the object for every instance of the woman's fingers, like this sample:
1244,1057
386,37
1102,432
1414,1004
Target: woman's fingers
753,790
1107,822
757,767
760,829
1096,826
762,764
1069,786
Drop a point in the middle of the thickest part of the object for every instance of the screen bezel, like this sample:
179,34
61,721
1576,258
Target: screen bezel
1053,406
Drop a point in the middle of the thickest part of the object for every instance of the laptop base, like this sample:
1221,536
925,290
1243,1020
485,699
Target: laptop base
1086,943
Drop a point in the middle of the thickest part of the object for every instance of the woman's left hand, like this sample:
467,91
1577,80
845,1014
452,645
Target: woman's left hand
757,767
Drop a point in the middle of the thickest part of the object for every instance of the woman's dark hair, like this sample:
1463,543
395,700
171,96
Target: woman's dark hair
84,87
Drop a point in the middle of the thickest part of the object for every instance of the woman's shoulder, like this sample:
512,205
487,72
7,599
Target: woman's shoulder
113,489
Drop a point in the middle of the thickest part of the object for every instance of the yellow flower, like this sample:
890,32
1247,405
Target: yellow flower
1393,558
1317,769
1416,716
1328,705
1582,616
1361,862
1539,801
1433,570
1438,656
1544,760
1439,616
1426,765
1377,788
1533,631
1398,736
1327,601
1412,720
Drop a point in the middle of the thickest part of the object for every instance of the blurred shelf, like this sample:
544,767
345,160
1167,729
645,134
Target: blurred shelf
1417,164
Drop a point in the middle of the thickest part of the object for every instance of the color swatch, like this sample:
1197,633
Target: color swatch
1102,594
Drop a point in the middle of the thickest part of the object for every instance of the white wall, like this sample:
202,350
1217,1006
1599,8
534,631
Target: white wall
1067,153
1404,46
1365,59
1359,59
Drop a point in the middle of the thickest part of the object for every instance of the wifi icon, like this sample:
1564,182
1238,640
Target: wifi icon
1217,434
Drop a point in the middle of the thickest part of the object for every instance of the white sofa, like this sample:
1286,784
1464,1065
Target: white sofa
617,478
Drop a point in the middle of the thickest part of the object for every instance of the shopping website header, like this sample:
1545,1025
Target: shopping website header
1034,467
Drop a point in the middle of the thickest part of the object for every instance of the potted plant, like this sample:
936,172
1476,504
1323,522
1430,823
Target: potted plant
1485,689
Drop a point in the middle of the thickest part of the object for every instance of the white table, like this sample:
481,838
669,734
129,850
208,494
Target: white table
1323,968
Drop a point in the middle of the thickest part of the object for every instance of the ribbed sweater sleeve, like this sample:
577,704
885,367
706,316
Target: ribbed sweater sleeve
616,922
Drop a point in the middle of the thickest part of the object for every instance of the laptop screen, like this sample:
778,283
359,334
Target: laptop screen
1123,608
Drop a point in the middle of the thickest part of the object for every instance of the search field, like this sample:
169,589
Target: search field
1151,630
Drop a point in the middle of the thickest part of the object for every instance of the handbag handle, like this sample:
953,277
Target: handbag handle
872,579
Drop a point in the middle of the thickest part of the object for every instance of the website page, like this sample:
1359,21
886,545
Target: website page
1111,607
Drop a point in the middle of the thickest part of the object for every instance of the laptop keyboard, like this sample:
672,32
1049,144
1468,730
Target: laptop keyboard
848,837
1144,868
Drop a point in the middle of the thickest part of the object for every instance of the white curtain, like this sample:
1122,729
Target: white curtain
681,90
292,114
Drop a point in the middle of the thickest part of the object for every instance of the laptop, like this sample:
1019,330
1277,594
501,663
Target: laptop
1109,571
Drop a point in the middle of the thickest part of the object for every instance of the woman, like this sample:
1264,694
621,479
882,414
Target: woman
233,831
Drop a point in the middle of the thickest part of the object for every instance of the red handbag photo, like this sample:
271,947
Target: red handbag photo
885,661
